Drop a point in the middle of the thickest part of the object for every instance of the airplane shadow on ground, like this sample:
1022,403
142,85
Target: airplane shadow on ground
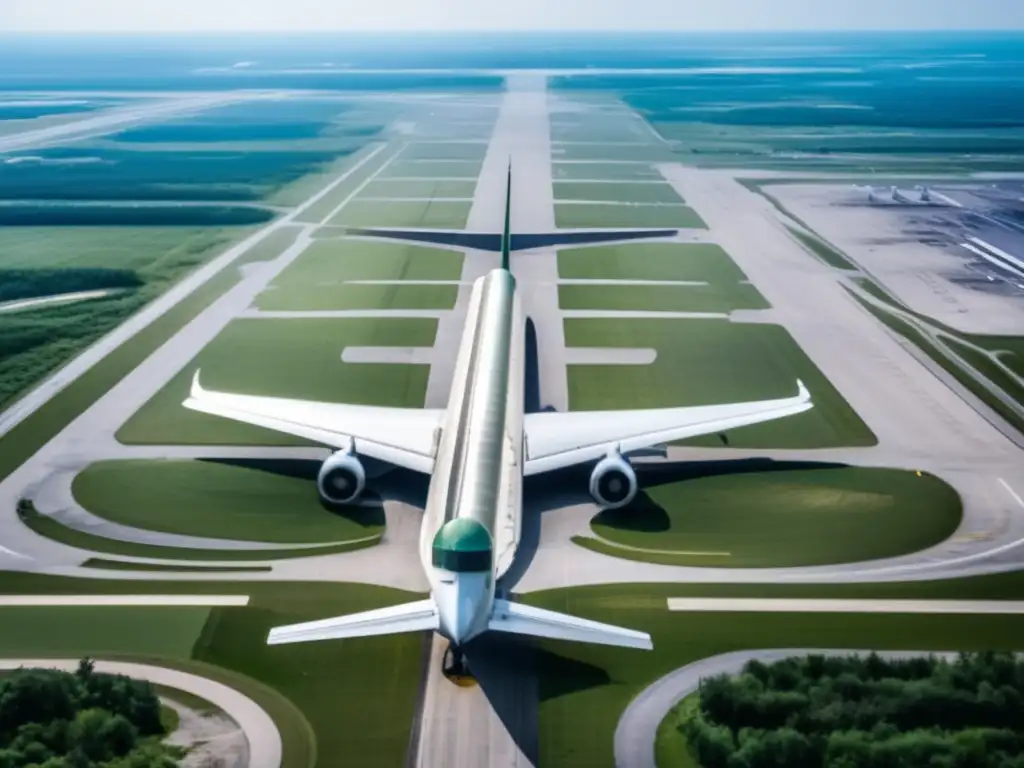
515,675
307,469
505,669
569,487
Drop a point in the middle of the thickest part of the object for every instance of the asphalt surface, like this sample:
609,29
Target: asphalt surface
494,723
264,740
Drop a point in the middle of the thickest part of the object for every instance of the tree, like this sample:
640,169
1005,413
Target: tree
865,712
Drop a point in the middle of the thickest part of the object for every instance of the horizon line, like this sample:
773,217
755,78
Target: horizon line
521,31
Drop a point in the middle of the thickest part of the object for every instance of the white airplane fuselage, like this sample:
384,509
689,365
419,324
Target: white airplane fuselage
478,471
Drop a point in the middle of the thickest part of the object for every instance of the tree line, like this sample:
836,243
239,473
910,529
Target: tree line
81,719
31,283
862,712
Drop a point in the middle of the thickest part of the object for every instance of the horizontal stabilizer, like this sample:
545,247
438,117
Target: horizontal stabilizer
408,617
526,620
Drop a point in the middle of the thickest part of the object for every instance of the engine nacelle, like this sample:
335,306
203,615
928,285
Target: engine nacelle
613,482
341,478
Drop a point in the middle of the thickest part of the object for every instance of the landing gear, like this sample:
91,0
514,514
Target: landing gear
454,667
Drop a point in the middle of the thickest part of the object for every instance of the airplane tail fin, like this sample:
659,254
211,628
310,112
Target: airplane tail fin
506,235
408,617
526,620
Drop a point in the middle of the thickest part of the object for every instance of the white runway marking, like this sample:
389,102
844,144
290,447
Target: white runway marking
124,600
1012,492
14,306
759,605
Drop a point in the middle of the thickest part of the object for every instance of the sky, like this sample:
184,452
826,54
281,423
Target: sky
411,15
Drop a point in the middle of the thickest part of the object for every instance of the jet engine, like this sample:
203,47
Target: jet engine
341,478
613,482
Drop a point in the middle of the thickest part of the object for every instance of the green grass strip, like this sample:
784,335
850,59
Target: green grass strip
922,342
822,250
55,531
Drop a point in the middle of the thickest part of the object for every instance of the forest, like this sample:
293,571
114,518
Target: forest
34,341
30,283
51,215
862,712
81,719
74,173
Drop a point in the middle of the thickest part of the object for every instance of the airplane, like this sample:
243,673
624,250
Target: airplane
477,452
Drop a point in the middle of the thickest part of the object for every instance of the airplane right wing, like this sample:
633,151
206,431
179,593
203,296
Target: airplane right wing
556,440
526,620
406,437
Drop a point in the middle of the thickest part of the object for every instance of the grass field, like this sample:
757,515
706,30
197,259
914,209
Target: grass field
822,250
297,358
606,129
272,501
354,698
418,188
670,748
442,214
325,206
51,529
727,514
434,169
643,150
598,170
569,216
650,261
443,150
47,631
621,192
134,248
674,298
709,361
591,685
318,279
25,439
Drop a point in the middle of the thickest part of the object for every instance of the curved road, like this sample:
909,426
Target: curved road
260,731
638,727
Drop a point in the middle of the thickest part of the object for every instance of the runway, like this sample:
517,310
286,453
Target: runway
920,422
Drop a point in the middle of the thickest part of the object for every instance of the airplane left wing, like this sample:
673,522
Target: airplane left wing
406,437
556,440
408,617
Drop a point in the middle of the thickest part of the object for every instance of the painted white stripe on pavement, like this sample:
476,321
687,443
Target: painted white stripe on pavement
124,600
1012,492
759,605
